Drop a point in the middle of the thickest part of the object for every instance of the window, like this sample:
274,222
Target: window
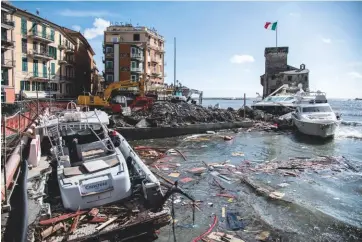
109,50
43,48
24,46
317,109
60,88
109,64
3,96
35,46
53,52
109,78
4,34
149,53
136,37
33,86
52,34
60,39
149,64
53,68
133,78
44,69
35,68
133,64
34,28
289,78
133,50
44,31
25,85
25,64
23,26
115,39
54,87
4,77
160,56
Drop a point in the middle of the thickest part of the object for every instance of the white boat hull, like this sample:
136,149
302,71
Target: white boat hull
320,129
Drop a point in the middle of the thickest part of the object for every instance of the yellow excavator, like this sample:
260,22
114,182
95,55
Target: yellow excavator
103,99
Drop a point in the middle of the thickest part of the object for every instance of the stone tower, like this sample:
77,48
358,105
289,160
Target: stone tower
276,59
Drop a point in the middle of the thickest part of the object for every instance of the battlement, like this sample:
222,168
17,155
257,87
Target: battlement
276,50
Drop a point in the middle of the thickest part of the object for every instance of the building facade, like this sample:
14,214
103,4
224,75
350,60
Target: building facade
86,69
40,57
278,72
133,52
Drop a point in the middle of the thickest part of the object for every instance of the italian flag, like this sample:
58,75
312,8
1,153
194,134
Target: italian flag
271,26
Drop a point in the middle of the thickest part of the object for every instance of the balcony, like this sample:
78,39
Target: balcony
109,55
109,69
6,43
62,46
137,56
47,38
156,74
136,69
36,54
36,76
154,59
7,24
66,78
62,62
69,50
7,63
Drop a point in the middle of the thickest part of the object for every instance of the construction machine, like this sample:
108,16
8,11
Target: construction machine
106,100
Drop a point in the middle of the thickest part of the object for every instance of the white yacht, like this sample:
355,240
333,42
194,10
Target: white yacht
96,166
314,116
281,101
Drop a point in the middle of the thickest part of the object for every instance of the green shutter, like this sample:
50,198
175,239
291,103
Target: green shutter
44,69
35,28
52,33
35,68
25,64
44,32
23,26
22,85
53,68
55,53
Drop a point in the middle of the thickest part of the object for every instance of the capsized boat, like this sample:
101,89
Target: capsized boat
314,116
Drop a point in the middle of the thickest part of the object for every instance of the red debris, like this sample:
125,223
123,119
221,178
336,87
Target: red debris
93,212
97,220
208,231
75,224
186,180
61,218
225,195
228,138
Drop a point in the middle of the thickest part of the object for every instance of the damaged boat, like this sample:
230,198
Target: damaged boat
95,169
314,116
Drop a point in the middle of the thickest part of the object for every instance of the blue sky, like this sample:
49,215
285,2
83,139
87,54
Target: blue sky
220,45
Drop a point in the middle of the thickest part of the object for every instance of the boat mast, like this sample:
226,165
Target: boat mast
174,63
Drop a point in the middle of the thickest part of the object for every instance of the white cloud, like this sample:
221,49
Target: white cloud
296,15
241,59
76,28
326,40
355,75
99,25
87,13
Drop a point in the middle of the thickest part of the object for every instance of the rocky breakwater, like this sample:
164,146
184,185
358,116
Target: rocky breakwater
167,114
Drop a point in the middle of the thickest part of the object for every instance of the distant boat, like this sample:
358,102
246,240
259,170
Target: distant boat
358,99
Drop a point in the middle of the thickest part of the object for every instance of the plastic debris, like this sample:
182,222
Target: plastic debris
263,236
174,174
186,180
223,211
52,229
276,195
222,237
230,200
237,154
233,222
227,138
197,170
283,184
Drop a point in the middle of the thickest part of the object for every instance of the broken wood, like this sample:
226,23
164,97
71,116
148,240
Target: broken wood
61,218
96,220
52,229
74,224
102,226
93,212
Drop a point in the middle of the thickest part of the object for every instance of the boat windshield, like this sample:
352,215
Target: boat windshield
278,99
316,109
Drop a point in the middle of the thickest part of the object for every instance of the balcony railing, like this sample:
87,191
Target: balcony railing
6,42
109,69
6,23
62,62
155,59
137,56
41,36
7,63
66,78
109,55
40,54
136,69
69,50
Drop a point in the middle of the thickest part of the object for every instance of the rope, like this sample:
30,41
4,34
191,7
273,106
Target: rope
208,231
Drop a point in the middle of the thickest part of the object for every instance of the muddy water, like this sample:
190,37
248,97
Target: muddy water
318,206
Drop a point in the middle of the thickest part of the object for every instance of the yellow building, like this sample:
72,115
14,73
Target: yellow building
42,54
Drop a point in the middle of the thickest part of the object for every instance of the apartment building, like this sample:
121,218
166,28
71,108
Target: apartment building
133,52
42,56
7,54
86,70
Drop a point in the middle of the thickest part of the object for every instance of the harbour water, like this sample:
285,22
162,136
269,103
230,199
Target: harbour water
323,206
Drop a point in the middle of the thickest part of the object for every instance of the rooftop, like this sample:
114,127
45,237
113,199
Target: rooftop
119,27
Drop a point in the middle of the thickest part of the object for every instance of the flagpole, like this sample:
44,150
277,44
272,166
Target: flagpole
276,36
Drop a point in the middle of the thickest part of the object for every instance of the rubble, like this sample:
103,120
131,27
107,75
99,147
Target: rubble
168,114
